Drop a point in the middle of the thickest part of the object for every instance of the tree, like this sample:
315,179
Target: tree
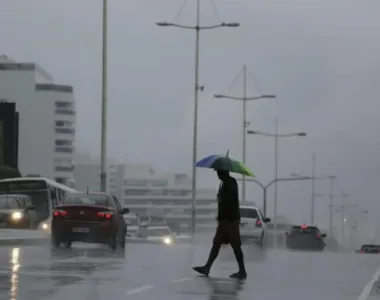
9,172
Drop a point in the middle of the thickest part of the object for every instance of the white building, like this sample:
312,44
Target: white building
147,193
46,119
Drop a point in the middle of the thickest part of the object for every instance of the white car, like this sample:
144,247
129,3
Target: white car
253,225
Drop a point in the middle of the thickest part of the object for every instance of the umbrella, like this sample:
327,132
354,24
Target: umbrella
226,163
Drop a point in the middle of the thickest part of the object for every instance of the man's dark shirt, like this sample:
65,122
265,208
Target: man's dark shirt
228,201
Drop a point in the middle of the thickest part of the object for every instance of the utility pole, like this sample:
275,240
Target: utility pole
244,125
343,212
312,191
331,205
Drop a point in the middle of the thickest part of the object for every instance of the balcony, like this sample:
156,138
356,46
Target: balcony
65,130
64,169
62,111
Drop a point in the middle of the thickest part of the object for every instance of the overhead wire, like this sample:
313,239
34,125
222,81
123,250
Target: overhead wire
178,15
215,9
237,77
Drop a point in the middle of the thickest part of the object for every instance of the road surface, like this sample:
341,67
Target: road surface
164,272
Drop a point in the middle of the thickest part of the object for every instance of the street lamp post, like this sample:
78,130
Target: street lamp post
331,195
276,136
244,99
103,147
265,187
197,87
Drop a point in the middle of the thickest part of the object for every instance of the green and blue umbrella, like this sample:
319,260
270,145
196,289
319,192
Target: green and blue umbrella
225,163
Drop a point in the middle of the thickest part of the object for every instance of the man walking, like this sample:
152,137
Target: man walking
227,231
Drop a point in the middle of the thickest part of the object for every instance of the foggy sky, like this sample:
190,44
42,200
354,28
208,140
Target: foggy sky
321,58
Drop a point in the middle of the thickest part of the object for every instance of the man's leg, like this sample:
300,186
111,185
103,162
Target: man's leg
235,242
217,243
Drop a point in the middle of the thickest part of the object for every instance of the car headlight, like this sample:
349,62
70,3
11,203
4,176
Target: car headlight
168,240
45,226
16,216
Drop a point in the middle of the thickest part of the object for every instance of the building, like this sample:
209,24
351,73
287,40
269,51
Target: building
46,119
147,193
8,135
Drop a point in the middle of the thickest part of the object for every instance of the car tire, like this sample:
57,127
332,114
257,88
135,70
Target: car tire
55,243
112,243
122,241
262,241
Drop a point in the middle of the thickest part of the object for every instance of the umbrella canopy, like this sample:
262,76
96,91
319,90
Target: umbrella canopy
225,163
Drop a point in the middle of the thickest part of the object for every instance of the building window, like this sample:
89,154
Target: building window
63,142
63,162
64,104
64,150
135,192
62,111
159,183
64,169
65,130
135,182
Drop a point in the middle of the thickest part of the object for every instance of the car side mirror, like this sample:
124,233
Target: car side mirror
267,220
125,210
324,235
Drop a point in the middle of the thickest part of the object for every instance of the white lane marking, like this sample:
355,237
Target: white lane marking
182,279
367,289
140,289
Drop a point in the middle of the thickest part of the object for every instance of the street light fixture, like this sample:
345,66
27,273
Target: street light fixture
276,136
244,99
197,87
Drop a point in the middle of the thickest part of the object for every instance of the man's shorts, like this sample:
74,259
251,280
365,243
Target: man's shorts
228,233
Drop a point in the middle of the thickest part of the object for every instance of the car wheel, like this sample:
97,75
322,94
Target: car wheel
112,243
262,240
122,241
55,243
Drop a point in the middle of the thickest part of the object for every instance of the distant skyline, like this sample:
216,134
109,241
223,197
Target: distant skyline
319,57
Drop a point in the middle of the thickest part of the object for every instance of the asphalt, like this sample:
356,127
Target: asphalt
149,271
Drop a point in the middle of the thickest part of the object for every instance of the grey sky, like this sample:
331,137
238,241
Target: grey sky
320,58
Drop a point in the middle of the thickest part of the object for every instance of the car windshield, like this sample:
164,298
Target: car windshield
248,213
86,199
9,202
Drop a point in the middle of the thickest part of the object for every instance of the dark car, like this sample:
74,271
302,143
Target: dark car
369,248
305,238
90,218
17,211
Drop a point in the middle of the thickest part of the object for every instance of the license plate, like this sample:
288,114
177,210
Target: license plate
81,230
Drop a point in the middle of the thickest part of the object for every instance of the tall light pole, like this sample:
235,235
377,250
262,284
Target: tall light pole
331,195
276,136
343,212
331,205
103,147
244,99
197,87
312,192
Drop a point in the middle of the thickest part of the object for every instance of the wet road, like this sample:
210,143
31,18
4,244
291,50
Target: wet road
164,272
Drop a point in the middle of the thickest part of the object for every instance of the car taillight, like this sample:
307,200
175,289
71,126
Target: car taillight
105,214
258,223
60,213
361,251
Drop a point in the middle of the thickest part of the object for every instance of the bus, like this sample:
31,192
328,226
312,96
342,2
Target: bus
44,193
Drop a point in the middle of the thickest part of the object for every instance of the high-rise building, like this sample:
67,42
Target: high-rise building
8,135
46,110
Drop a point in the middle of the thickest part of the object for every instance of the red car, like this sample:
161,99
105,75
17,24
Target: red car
90,218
